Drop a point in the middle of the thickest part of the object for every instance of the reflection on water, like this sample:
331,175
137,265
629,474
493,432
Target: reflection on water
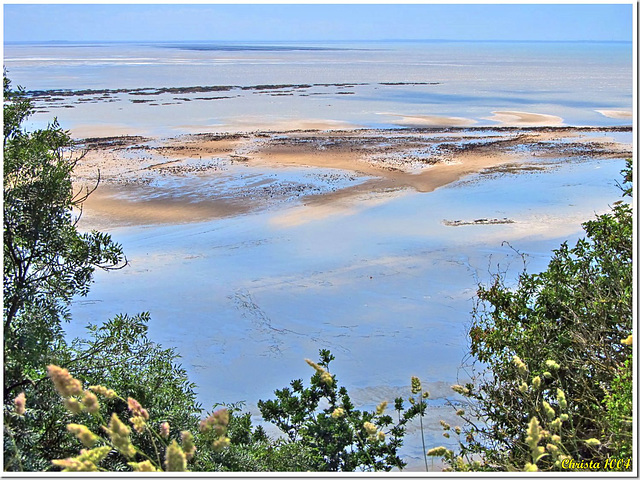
446,79
388,288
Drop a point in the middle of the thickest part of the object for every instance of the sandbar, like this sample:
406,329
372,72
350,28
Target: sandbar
622,114
430,120
524,118
199,177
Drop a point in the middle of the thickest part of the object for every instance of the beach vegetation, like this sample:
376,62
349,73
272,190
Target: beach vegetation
107,432
555,348
48,261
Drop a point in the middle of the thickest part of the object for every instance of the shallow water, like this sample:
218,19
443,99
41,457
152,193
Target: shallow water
362,84
386,286
373,273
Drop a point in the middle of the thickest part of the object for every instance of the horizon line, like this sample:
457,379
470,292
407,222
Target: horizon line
384,40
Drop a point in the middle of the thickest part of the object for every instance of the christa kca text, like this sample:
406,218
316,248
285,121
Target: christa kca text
608,464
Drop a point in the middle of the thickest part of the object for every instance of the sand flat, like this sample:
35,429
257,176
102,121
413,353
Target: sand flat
430,120
620,114
108,207
528,119
194,178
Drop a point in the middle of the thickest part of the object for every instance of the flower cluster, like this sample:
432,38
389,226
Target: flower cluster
65,384
373,434
87,461
460,389
164,430
188,445
139,415
119,434
76,399
86,436
105,392
217,422
416,385
438,452
79,400
136,409
325,377
520,365
20,403
175,459
337,413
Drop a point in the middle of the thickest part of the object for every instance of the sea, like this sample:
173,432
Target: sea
385,285
362,84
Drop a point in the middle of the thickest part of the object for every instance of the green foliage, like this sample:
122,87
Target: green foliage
46,260
118,354
116,439
251,450
619,410
574,315
323,419
114,431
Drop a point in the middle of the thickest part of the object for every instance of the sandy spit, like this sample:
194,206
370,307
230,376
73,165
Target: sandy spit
621,114
193,178
524,119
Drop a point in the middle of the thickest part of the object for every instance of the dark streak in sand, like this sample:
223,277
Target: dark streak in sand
58,94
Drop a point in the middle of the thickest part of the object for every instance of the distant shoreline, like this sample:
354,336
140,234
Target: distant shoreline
299,42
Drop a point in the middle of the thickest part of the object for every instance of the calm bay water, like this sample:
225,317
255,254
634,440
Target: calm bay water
468,80
387,287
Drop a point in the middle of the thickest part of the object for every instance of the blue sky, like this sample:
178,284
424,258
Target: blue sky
239,22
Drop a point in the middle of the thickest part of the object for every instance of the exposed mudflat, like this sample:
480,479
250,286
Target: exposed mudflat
198,177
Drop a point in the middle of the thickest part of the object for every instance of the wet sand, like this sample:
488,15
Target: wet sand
525,118
187,178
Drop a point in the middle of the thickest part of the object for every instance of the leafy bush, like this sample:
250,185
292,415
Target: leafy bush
618,405
47,261
251,450
121,435
115,438
340,437
559,330
118,354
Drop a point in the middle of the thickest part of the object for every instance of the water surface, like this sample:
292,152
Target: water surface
363,83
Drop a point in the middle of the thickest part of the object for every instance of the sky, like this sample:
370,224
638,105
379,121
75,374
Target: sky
307,22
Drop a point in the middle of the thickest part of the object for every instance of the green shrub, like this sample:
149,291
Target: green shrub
559,330
618,404
323,420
